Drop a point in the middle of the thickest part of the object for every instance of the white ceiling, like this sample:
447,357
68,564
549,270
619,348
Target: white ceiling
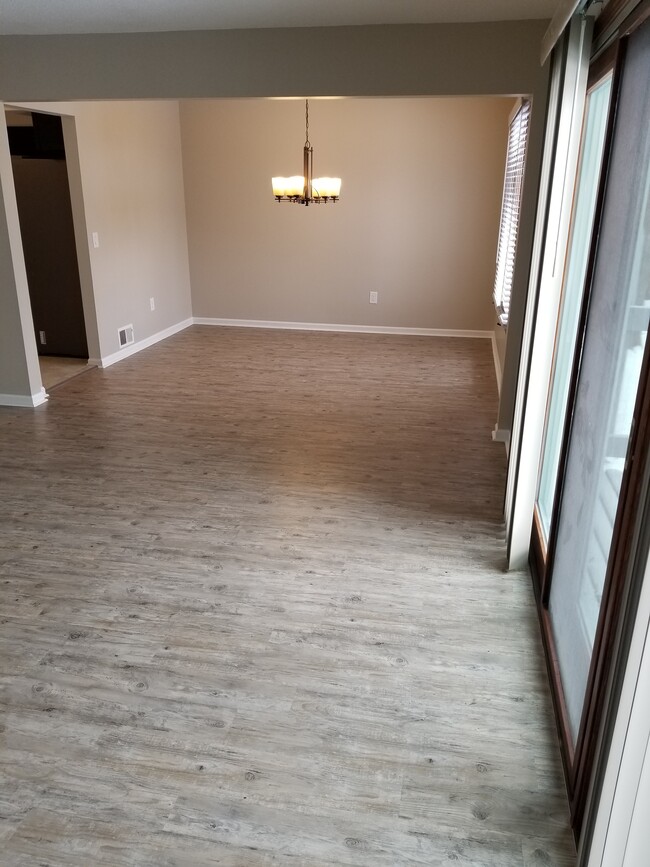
124,16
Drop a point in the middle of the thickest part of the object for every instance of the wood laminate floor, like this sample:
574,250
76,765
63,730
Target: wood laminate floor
57,369
254,612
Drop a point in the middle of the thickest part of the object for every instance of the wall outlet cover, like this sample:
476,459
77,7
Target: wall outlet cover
374,297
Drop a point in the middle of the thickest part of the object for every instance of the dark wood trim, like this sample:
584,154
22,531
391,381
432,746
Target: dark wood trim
602,65
553,670
635,19
538,547
606,28
559,699
607,18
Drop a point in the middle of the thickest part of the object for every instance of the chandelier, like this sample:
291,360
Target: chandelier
305,189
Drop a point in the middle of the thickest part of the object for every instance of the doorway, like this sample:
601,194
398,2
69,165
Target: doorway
46,223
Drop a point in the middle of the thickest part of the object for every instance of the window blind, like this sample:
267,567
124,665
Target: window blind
510,210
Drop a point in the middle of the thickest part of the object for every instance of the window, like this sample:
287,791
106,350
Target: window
510,209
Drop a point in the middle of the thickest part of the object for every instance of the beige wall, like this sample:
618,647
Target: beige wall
19,374
417,220
129,158
501,337
497,57
489,58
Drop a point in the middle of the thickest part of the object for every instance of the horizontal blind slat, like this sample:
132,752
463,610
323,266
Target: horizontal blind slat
511,210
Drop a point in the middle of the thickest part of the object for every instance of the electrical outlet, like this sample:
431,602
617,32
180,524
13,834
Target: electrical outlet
95,239
152,303
374,297
41,335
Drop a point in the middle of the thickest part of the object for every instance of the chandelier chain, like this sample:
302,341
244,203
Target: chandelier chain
307,142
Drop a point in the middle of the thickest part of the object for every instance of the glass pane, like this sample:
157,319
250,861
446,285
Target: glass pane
609,378
593,140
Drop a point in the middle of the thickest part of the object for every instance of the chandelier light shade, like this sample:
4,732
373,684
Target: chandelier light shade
305,189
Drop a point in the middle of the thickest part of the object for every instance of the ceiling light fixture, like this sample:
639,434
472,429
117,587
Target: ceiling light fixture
303,189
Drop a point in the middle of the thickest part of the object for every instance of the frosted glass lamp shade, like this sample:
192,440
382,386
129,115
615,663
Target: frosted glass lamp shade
326,187
296,186
279,186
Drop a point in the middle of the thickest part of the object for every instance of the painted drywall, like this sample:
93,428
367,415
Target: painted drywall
498,58
417,220
19,372
501,340
386,60
129,156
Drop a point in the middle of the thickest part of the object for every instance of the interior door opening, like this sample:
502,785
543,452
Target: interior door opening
46,224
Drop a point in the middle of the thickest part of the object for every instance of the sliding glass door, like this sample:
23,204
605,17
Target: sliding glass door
596,437
609,379
591,157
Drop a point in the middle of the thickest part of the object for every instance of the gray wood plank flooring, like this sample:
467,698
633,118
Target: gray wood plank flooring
253,612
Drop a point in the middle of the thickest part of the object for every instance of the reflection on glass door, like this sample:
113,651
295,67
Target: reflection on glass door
591,157
609,376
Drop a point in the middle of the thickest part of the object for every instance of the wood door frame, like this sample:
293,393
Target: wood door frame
578,759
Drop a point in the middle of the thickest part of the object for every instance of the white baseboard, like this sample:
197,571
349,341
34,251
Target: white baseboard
355,329
497,362
40,398
139,345
502,435
29,400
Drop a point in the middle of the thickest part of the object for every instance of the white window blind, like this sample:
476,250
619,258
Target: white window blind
510,210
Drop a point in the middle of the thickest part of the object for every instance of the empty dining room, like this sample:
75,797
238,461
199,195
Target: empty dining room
297,539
